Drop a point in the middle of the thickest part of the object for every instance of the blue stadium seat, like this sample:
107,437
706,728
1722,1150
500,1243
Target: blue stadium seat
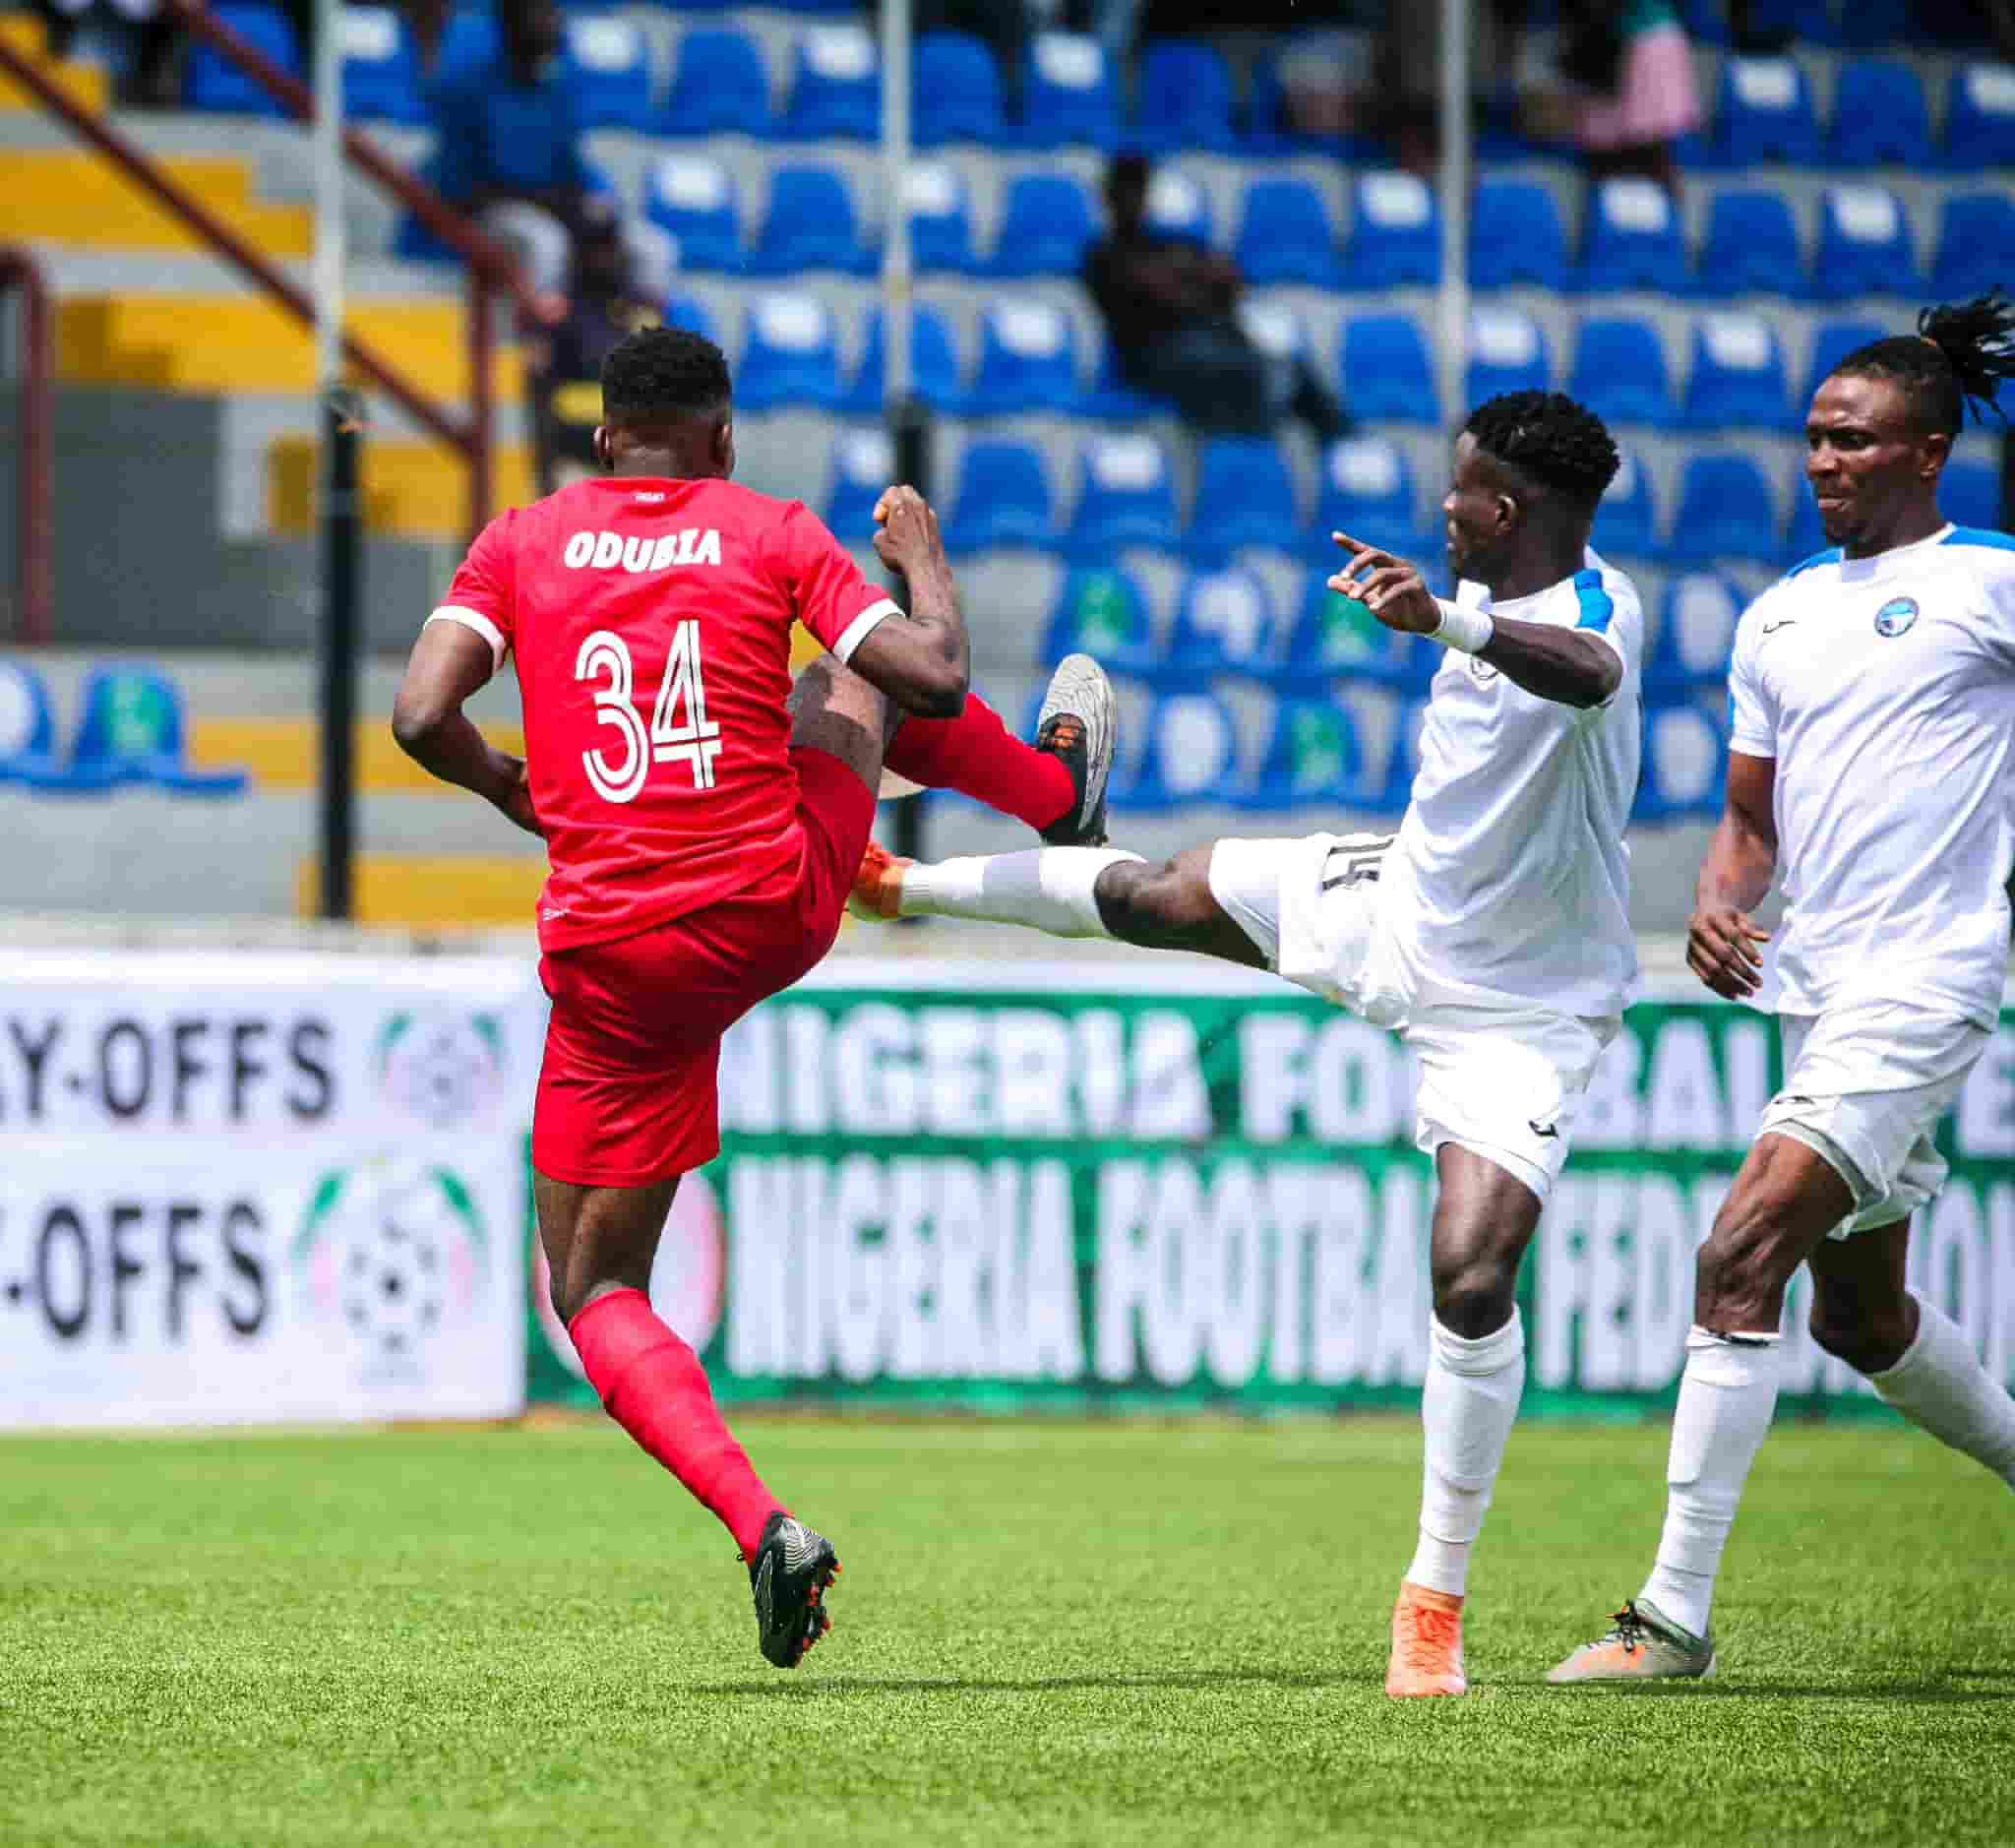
608,64
132,728
1003,499
1102,611
1069,98
1245,496
1028,360
1185,98
1386,376
934,369
1832,342
1737,379
1881,116
1337,635
1764,113
809,225
691,314
719,86
1367,491
1871,25
1047,224
1864,246
1980,119
1128,497
1312,756
1179,207
1726,511
470,44
213,85
958,91
1274,326
1685,763
790,356
693,197
835,86
1396,233
1189,754
1286,237
1620,373
380,72
862,466
1969,493
939,219
1114,398
1976,245
1697,632
1752,246
28,734
1633,240
1516,235
1626,521
1225,623
1507,352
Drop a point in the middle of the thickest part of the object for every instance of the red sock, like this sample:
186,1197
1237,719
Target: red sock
655,1388
979,757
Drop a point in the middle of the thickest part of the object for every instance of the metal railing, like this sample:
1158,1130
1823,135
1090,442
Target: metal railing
34,603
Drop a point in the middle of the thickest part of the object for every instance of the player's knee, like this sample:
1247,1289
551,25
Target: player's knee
1142,904
1475,1287
1870,1341
1751,1253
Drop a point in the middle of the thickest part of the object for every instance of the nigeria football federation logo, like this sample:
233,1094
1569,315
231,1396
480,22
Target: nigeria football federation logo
1896,616
442,1068
391,1253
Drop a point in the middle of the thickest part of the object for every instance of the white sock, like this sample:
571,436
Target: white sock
1940,1384
1467,1409
1727,1396
1047,888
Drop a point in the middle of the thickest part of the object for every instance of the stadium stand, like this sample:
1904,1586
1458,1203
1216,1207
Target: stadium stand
1621,373
1752,246
719,86
1395,234
1070,97
1004,498
1047,224
1225,623
1633,240
1129,498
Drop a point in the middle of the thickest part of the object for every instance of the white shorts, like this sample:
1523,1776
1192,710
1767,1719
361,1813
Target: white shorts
1505,1081
1864,1086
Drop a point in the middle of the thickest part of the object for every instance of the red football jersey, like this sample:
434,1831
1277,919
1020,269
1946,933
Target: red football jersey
651,622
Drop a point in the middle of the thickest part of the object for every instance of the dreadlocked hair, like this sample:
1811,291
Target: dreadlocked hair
1550,438
662,375
1959,355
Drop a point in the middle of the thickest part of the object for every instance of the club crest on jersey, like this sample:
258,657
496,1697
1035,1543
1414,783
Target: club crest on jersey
604,551
1480,670
1896,616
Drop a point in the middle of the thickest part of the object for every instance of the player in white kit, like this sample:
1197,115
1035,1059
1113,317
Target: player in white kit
1492,931
1872,696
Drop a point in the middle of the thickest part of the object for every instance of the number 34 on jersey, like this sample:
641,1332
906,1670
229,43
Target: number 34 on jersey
680,731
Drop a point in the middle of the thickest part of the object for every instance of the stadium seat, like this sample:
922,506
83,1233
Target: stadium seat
1368,492
1337,635
1245,496
1396,233
1028,360
939,219
934,369
381,73
1128,497
132,728
835,86
1626,521
1970,492
1696,633
1047,224
1286,237
1225,623
1178,207
1189,754
1507,352
1980,119
693,197
1312,756
1864,246
809,225
1685,763
608,64
1619,373
1516,235
1873,24
1726,511
1069,98
691,314
862,466
957,90
1115,399
28,734
1386,376
1273,327
1737,379
789,356
1185,98
1633,240
1003,499
469,43
1752,246
1764,113
1976,245
213,85
1832,342
1102,611
1881,116
719,86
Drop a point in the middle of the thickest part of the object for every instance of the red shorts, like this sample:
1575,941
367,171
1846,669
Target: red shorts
628,1092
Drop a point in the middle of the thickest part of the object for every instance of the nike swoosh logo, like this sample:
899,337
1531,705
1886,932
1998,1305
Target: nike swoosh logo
1542,1129
1783,622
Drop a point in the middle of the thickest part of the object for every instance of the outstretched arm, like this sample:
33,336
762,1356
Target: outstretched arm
448,664
922,660
1735,879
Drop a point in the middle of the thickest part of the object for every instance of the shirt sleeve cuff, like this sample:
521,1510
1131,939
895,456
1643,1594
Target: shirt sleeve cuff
861,628
473,620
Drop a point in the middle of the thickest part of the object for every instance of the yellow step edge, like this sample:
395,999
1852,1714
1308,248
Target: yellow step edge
419,890
26,33
75,197
412,489
285,754
86,85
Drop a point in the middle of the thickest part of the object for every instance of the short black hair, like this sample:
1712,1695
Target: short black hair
1958,356
664,375
1552,440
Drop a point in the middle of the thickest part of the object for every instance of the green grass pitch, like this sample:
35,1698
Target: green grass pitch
1047,1633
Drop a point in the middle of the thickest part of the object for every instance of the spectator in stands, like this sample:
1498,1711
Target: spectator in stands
1625,92
136,39
1170,306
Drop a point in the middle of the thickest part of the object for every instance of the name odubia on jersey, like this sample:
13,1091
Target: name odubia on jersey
604,551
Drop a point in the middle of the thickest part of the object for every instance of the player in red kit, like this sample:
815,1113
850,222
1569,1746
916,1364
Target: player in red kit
704,820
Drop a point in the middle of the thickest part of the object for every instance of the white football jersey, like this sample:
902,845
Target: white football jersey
1510,877
1884,687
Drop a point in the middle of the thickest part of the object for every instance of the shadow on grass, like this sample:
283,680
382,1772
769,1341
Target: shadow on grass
1196,1680
1900,1693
